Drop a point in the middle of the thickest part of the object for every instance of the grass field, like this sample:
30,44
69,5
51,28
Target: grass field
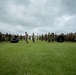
39,58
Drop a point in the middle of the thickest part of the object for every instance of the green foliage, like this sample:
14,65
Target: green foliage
39,58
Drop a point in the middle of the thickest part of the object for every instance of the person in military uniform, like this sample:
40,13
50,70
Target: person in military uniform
37,36
10,36
6,37
3,37
42,37
52,37
21,37
26,37
33,37
0,37
49,38
45,37
75,37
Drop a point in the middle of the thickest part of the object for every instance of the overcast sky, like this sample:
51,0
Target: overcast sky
38,16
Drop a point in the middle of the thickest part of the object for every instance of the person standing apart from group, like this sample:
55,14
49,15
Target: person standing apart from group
33,37
26,37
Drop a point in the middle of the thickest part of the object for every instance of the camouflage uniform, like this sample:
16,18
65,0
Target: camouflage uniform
3,37
10,37
20,37
6,37
26,37
0,37
42,37
33,37
49,38
52,37
45,37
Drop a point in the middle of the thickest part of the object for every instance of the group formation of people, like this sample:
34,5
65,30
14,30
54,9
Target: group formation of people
50,37
7,37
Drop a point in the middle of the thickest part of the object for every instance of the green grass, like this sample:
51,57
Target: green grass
39,58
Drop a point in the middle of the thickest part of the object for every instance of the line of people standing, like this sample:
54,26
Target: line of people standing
48,37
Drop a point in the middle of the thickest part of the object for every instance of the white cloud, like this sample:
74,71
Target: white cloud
39,16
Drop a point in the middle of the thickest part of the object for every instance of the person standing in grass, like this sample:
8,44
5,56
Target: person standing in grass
33,37
49,38
0,37
46,37
42,37
26,37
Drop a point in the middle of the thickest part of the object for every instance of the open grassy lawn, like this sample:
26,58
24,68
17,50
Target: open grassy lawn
39,58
